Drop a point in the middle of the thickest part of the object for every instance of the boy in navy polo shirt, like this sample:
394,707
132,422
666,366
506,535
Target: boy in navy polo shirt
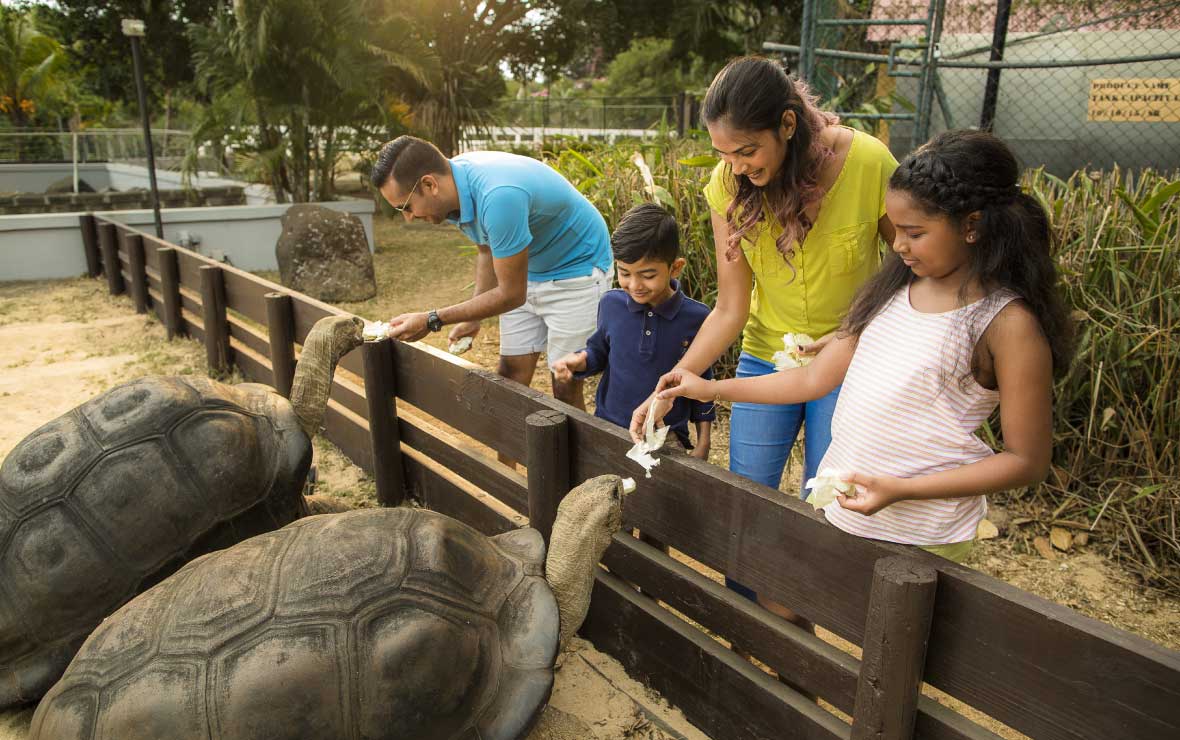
644,328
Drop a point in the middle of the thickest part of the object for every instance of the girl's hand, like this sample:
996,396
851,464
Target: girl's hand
679,383
813,349
639,417
872,493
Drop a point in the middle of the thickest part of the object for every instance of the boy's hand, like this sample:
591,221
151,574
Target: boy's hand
872,493
639,416
565,368
682,383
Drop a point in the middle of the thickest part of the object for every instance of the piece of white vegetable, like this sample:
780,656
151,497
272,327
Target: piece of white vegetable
375,330
629,485
461,346
826,485
790,357
653,439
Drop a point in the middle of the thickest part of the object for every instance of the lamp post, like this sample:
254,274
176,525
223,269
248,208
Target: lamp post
134,29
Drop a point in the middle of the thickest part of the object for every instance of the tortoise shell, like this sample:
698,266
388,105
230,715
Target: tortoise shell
379,623
113,496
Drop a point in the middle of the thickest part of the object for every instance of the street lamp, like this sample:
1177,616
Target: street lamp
134,29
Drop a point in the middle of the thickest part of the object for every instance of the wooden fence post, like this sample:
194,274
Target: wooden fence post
138,271
380,390
280,325
897,629
216,329
90,244
107,236
170,290
547,457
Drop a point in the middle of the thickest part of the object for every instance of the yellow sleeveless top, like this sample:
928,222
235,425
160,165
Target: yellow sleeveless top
839,254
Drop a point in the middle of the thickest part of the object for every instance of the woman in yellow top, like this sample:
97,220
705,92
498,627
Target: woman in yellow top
798,206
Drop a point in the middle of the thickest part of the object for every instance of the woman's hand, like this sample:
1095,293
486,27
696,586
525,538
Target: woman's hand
813,349
680,383
871,493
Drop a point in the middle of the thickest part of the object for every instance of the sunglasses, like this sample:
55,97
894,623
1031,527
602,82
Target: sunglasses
405,205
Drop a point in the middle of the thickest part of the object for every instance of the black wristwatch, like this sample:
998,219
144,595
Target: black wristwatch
433,322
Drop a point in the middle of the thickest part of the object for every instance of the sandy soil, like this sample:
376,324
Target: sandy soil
63,342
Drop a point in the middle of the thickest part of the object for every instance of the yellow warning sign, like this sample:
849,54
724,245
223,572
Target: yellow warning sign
1150,99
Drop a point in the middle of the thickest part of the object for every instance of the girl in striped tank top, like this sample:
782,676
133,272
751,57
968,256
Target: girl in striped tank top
964,315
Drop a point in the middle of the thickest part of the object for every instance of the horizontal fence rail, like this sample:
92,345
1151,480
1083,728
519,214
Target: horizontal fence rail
1037,667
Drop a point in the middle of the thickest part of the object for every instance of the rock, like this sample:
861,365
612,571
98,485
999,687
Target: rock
999,516
324,253
1044,548
986,530
66,185
1060,538
1081,539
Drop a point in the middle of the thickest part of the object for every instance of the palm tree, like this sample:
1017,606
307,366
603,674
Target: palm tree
286,75
30,66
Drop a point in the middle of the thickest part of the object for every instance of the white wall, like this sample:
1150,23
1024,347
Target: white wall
34,178
42,246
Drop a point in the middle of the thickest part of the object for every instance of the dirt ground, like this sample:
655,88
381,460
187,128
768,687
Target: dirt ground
63,342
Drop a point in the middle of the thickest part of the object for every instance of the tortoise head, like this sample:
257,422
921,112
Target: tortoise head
331,338
587,519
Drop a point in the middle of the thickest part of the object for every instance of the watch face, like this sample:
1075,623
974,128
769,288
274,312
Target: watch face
433,322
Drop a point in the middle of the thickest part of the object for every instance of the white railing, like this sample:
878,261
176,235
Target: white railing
116,145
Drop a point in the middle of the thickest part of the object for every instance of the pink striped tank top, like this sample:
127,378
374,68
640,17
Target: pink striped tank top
910,406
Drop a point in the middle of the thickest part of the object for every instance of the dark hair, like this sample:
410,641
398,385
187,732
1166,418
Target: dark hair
958,173
752,94
646,231
406,159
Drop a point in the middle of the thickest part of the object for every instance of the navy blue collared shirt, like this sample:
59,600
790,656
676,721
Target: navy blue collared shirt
633,346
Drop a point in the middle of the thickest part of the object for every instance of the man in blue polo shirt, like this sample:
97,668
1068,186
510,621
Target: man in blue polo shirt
543,257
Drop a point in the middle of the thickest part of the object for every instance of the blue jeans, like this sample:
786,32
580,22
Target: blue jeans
761,437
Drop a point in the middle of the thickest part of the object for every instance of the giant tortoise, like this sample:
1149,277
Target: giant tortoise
376,624
108,499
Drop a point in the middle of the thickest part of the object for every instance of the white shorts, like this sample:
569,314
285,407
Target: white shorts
557,317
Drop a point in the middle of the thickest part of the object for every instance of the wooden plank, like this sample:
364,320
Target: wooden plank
248,336
90,244
722,694
486,473
441,490
808,662
170,290
382,417
214,319
138,273
280,337
110,257
245,293
548,462
896,633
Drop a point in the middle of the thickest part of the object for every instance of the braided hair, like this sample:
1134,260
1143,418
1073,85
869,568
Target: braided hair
960,173
752,94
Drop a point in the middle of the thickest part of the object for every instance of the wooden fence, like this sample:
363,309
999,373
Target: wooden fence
1035,666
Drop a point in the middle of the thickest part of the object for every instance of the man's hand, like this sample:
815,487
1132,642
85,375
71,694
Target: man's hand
565,368
463,329
871,493
408,327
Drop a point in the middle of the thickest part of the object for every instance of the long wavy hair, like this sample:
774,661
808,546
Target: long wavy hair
956,174
752,94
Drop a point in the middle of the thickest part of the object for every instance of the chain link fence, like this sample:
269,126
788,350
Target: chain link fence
1070,84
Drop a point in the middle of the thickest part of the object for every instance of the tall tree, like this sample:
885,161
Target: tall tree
285,75
91,31
31,66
